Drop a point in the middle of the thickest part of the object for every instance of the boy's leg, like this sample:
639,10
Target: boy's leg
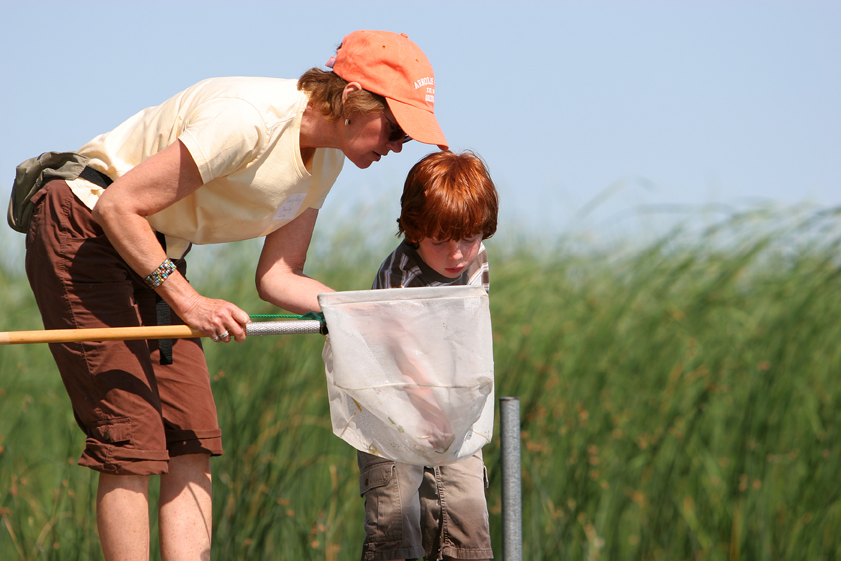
185,509
455,512
392,508
122,516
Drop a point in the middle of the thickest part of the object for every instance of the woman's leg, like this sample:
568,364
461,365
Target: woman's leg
184,511
122,512
122,516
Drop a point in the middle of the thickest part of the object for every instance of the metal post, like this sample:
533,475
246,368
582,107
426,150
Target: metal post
512,504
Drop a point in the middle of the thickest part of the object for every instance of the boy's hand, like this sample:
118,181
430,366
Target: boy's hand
435,428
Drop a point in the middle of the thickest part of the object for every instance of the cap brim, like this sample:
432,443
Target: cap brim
419,124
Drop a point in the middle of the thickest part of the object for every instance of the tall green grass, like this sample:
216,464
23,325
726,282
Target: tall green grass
679,400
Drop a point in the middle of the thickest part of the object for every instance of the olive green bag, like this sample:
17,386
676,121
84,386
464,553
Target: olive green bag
33,174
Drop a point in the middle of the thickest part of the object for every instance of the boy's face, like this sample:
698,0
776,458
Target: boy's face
449,257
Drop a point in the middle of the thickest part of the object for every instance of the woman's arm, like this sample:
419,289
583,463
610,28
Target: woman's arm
280,272
155,184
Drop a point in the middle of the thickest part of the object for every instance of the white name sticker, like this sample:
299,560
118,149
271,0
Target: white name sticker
290,206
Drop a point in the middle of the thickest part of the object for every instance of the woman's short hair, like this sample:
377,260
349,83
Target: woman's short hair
325,88
448,196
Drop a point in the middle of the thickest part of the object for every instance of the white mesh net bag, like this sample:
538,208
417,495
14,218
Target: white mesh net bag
410,371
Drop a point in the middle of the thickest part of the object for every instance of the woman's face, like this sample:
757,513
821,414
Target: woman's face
369,137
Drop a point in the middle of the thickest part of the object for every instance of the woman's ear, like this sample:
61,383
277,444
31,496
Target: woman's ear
349,89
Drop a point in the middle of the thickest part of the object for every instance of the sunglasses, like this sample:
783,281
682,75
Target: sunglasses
396,134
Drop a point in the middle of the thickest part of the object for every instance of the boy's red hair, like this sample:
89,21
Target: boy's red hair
448,196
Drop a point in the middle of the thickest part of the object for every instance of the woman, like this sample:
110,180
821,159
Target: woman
225,160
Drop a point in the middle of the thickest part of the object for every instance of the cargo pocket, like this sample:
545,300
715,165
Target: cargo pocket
112,431
378,475
383,511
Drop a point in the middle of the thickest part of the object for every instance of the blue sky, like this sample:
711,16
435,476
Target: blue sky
642,104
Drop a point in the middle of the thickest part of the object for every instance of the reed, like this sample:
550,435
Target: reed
679,400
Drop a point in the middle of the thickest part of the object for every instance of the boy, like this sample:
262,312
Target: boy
449,205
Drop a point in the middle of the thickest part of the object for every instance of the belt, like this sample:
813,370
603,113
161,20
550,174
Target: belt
96,177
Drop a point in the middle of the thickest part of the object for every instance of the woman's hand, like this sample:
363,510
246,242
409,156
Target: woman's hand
219,319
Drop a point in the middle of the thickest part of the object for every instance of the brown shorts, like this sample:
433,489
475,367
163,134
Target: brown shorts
136,412
413,511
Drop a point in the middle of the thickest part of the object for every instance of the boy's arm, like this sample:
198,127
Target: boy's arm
399,271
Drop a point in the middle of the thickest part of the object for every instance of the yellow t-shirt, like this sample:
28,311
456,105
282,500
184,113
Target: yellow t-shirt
243,134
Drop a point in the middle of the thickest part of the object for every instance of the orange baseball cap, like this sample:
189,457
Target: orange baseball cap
391,65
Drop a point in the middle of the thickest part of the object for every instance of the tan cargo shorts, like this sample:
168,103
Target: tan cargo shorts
414,511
